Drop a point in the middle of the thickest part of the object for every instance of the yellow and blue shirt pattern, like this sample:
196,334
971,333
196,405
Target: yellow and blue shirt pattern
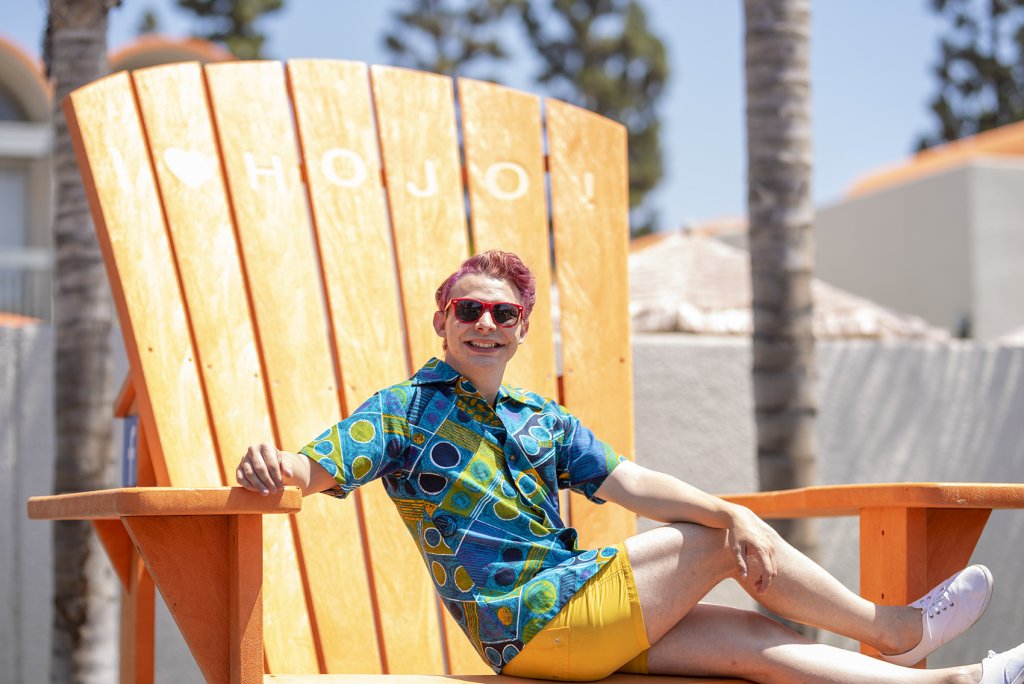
478,490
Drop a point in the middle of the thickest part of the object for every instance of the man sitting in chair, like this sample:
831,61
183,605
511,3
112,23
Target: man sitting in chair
474,466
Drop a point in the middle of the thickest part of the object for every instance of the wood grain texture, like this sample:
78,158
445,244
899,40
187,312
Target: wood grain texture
338,139
245,604
188,558
837,500
109,504
589,213
115,164
501,133
261,161
416,125
485,679
137,623
118,546
173,101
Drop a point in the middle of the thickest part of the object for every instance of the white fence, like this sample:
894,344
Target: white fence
25,281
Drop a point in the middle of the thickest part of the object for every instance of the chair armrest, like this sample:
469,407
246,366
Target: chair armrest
845,500
137,501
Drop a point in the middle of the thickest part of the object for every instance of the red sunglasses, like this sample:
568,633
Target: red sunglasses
467,310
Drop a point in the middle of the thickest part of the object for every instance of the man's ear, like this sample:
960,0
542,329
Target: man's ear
439,317
523,329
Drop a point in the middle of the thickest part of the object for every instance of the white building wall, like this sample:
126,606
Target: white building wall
906,247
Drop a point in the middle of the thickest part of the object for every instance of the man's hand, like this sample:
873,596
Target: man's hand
753,542
265,469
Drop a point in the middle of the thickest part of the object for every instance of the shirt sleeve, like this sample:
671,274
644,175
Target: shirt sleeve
370,443
583,461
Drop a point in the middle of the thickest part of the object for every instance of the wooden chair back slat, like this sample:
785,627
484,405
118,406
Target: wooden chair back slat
340,155
589,213
126,206
173,102
416,125
501,134
260,157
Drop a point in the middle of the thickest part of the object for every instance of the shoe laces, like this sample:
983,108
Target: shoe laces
939,601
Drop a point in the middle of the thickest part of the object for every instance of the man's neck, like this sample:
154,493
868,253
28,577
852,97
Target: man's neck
486,384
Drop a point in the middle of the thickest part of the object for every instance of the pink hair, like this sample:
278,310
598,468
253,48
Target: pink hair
495,264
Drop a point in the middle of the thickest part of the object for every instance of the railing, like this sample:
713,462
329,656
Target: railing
25,281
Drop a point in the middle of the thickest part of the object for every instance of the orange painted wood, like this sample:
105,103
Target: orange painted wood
245,604
836,500
501,132
337,137
122,193
124,403
109,504
952,536
261,162
589,212
146,476
486,679
118,546
189,558
173,102
416,125
137,624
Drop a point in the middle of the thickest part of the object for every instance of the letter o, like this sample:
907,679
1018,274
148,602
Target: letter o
358,165
491,180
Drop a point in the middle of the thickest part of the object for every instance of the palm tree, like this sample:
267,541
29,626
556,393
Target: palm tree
85,590
779,161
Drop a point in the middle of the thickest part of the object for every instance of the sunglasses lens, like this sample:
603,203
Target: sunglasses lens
505,314
468,310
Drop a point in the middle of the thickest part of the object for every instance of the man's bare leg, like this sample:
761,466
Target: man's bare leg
676,565
714,641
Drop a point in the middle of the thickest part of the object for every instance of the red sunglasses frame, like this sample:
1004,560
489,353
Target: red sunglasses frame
487,307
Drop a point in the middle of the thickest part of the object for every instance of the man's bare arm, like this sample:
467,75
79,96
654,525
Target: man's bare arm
265,469
666,498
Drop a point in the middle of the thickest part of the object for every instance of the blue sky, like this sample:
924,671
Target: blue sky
870,62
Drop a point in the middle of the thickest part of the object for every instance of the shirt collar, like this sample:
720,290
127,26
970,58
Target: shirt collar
436,371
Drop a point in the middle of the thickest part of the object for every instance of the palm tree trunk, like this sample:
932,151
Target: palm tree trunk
781,215
85,590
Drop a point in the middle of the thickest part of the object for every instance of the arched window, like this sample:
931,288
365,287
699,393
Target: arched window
10,108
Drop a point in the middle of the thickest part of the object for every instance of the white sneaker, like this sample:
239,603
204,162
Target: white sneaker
1003,668
947,611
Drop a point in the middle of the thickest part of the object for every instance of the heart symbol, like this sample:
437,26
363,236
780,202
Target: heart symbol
191,168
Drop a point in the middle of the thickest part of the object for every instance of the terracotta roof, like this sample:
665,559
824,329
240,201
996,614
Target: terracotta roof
1005,141
13,320
696,284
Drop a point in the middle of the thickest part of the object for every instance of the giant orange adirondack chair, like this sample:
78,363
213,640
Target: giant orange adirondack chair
273,236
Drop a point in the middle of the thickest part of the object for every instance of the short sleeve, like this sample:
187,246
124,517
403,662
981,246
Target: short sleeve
583,461
370,443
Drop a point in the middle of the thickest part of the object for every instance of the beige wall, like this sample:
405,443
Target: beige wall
942,247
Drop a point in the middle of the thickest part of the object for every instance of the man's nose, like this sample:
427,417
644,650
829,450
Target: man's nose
486,321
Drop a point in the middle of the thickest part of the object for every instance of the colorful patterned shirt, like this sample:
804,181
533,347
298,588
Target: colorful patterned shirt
477,489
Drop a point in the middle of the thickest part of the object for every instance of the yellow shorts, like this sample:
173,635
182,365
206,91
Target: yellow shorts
598,632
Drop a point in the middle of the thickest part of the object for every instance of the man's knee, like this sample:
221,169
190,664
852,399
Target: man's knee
712,542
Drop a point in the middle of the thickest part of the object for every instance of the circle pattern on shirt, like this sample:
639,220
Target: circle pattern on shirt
444,455
432,537
493,656
362,431
540,596
505,615
361,467
505,510
329,465
432,483
440,576
462,579
324,448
